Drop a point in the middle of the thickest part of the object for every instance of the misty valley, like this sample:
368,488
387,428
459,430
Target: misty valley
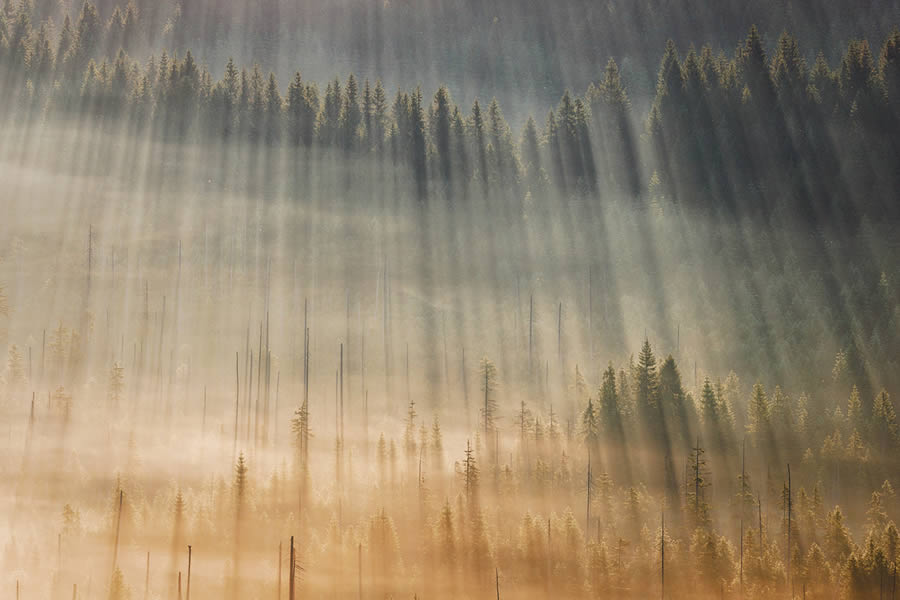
367,335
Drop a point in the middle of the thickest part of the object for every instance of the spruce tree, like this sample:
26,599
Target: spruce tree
440,131
646,388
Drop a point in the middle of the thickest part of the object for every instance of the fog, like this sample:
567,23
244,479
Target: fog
239,365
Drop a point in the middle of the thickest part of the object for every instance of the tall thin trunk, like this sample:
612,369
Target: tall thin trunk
790,579
662,557
116,542
189,574
237,401
530,332
291,583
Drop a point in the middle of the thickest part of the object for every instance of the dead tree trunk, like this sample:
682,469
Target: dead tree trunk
291,575
116,542
189,574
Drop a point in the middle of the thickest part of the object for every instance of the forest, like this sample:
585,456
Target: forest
428,299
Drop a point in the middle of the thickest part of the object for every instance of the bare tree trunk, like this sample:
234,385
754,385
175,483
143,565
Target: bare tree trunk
790,579
237,404
530,332
662,557
291,576
189,574
116,542
249,398
275,420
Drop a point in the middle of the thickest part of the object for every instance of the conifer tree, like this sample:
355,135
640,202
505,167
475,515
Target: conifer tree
440,131
646,388
418,144
437,446
351,114
884,422
758,413
409,432
476,125
590,427
273,111
488,377
610,409
379,117
530,150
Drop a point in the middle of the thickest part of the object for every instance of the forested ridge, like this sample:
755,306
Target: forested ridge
740,132
521,49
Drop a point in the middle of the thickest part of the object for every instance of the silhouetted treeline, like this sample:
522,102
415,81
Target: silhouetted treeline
741,134
506,46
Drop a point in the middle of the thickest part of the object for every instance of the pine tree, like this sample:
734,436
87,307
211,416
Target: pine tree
838,544
239,486
273,111
709,406
789,73
488,378
673,404
440,131
758,412
525,421
590,427
755,69
418,144
351,115
66,43
446,539
379,118
855,417
531,153
328,124
368,110
302,108
699,508
41,61
504,164
437,446
88,34
470,473
610,410
476,125
669,88
889,68
884,422
646,388
409,431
